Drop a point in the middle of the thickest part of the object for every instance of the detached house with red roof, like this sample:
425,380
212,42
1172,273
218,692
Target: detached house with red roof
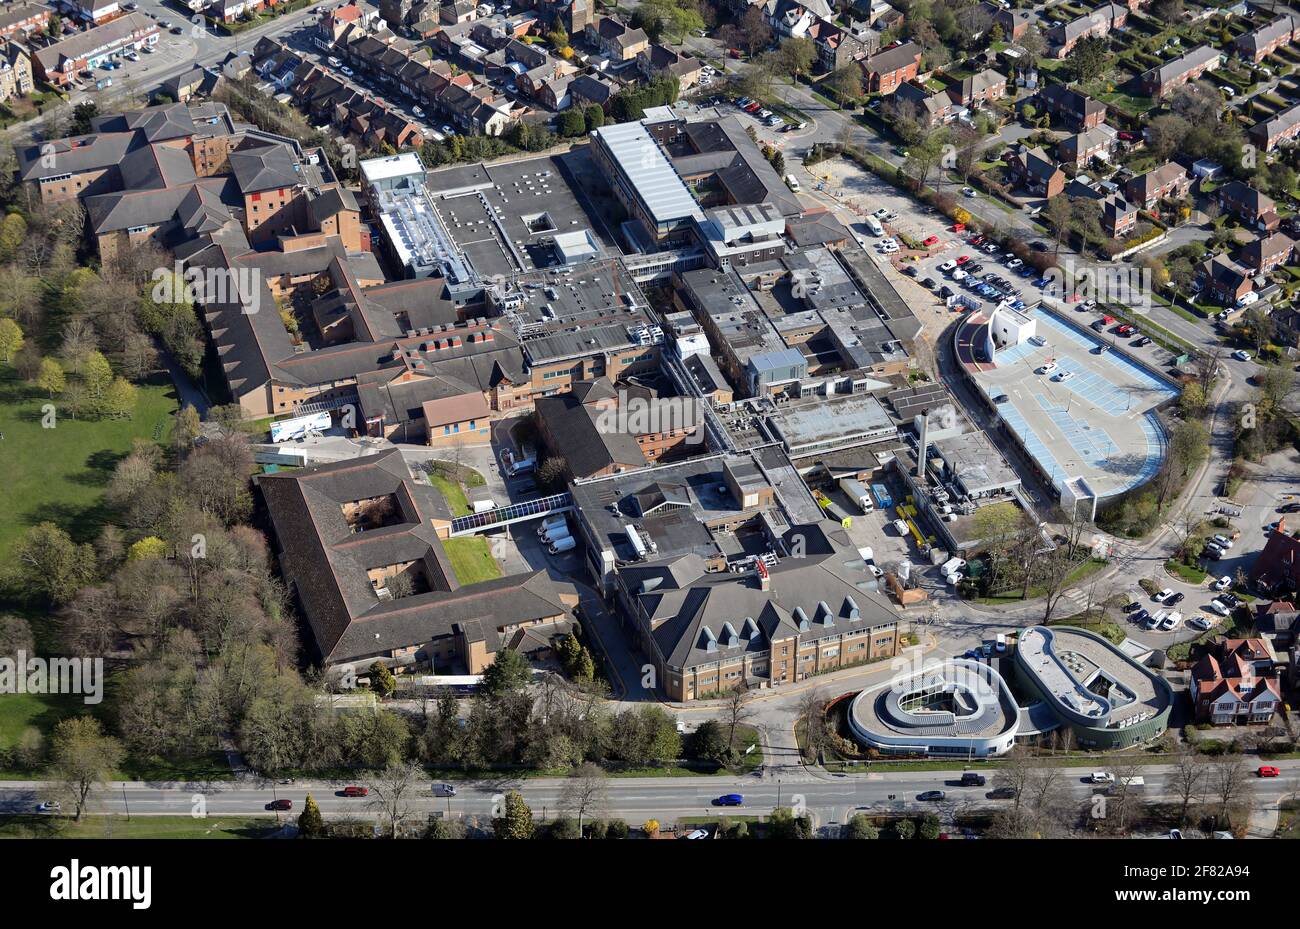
1236,683
894,66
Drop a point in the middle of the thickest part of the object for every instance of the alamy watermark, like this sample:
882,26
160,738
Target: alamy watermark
208,286
23,674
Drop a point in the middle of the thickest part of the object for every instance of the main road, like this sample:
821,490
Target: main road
831,799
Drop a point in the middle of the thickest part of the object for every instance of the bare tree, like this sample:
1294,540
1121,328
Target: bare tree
1227,782
1124,796
1015,774
1188,780
393,793
812,714
736,711
584,792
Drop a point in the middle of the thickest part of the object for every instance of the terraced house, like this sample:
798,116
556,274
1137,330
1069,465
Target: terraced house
1282,127
1170,181
1162,80
1073,110
1096,24
1260,43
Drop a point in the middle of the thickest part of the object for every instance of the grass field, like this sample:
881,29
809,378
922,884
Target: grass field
471,559
59,474
138,827
44,711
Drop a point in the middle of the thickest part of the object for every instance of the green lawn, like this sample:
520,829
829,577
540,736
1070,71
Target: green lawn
44,711
59,474
453,492
1186,572
471,559
137,827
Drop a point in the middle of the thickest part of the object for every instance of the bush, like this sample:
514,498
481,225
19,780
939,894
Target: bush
617,829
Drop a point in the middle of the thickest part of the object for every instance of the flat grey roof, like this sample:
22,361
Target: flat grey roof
662,191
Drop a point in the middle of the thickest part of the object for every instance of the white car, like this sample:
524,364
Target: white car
1201,623
947,266
888,248
1047,368
1171,622
881,213
345,71
1241,355
1101,777
1223,583
959,275
1163,595
1223,540
875,571
698,834
900,527
1219,607
334,62
967,192
419,113
1063,376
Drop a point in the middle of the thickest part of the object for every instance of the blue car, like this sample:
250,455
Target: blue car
730,800
1042,282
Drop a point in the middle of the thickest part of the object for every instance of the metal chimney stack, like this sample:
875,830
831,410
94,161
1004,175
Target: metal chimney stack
925,443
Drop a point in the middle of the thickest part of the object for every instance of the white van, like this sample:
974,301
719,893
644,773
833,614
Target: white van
523,466
550,523
555,534
873,226
792,182
900,527
562,545
953,565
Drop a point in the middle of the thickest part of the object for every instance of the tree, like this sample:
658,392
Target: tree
846,82
929,827
572,122
97,375
11,340
584,792
861,827
50,564
736,711
392,793
1058,214
508,672
553,474
797,56
904,829
1227,784
50,378
812,716
783,824
1188,780
594,117
1189,443
708,743
517,823
83,756
382,681
1088,59
311,824
119,399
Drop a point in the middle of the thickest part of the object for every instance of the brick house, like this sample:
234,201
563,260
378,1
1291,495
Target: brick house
1269,133
1267,252
1118,216
886,70
1236,683
615,40
1224,280
915,102
978,89
1075,111
1257,45
1036,173
1082,147
1159,81
1251,206
1096,24
1170,181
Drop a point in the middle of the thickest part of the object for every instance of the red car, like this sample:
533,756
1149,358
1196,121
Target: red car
1126,330
754,107
280,805
1129,136
733,52
957,227
354,791
932,240
1267,770
963,259
977,241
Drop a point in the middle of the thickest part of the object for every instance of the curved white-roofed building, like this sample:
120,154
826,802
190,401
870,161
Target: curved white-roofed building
954,707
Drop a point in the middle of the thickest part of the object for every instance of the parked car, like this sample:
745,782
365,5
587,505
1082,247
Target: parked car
968,192
1200,622
930,240
1162,596
1047,368
900,527
1223,583
1175,599
1219,607
1222,540
697,834
1063,376
1142,342
1241,355
947,266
